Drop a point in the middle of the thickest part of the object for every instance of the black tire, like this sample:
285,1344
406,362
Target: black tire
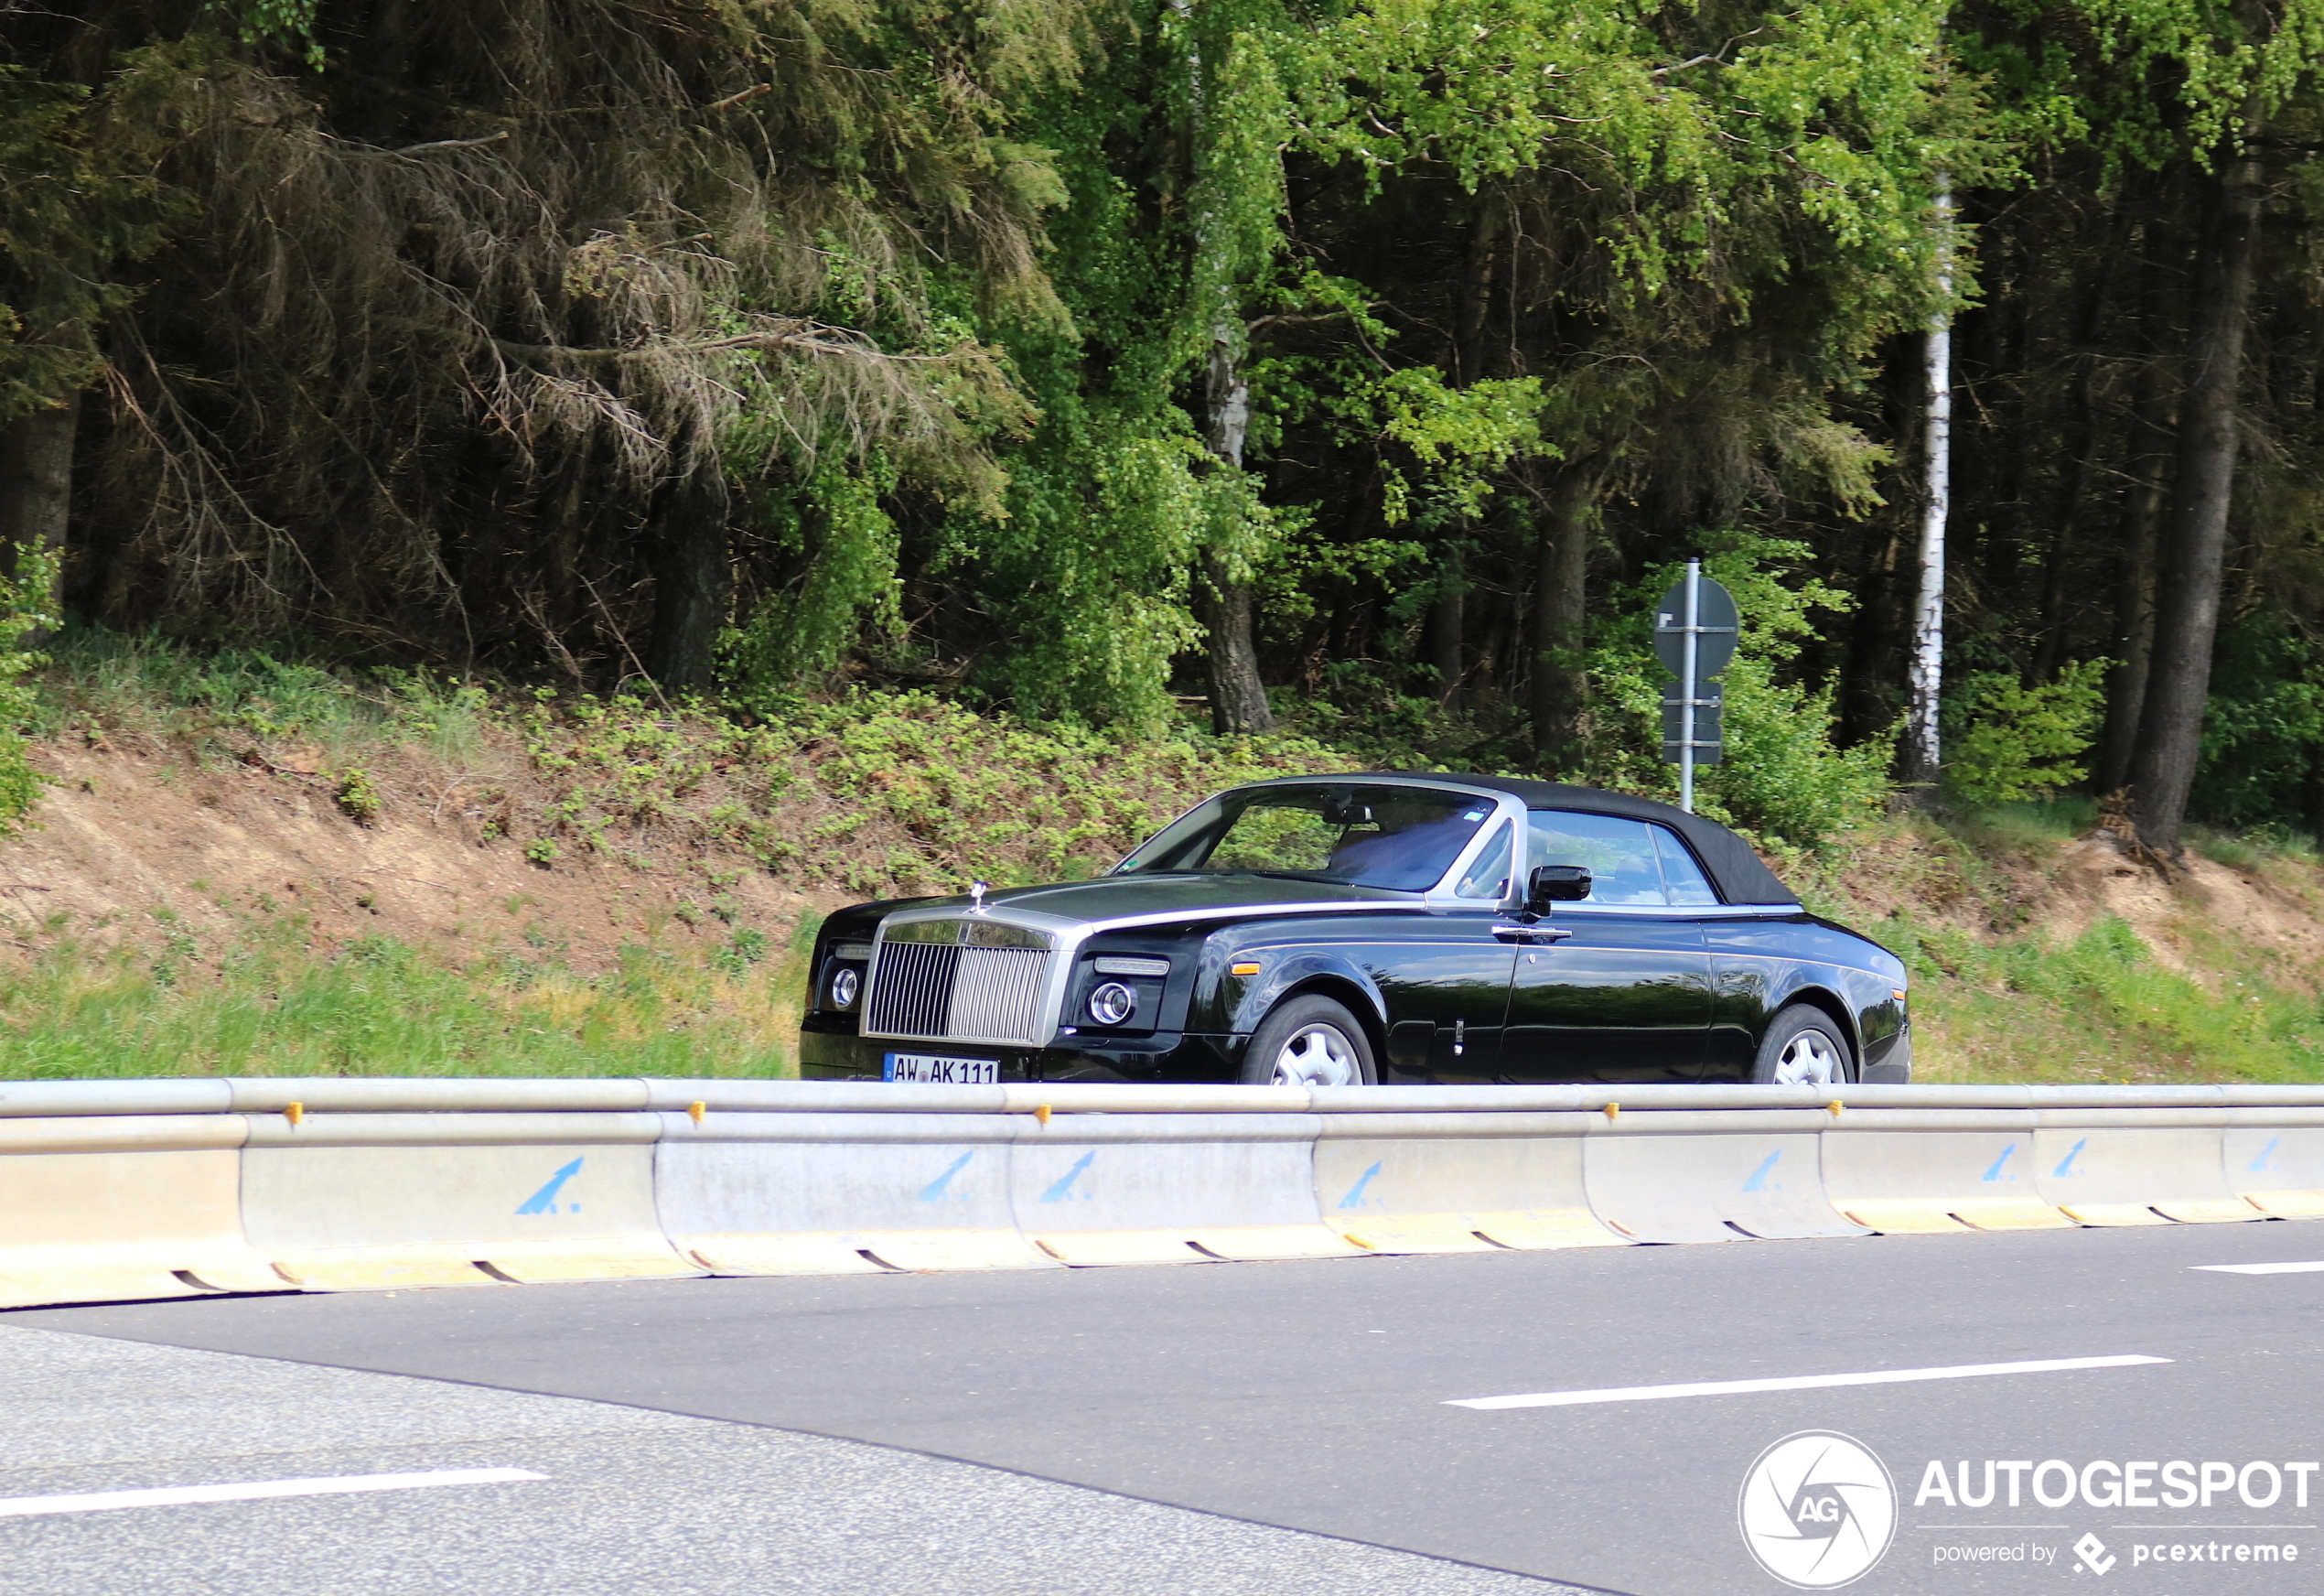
1309,1023
1800,1040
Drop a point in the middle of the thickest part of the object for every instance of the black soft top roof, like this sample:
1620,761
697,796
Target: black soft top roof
1736,871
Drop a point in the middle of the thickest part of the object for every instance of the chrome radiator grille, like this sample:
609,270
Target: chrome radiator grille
911,989
943,992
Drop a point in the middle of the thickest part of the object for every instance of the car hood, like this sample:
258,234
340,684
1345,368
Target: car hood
1164,894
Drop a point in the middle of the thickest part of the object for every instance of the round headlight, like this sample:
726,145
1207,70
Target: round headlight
845,986
1112,1003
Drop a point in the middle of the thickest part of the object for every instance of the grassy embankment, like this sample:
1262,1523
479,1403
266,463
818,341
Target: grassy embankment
249,868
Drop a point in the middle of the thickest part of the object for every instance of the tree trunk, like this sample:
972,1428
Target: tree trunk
2060,592
36,491
1872,672
1923,752
2134,588
2162,772
1238,698
1560,574
1446,631
692,575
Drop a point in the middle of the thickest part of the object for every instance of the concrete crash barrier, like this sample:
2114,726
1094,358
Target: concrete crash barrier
358,1201
1180,1189
123,1207
1457,1182
1934,1172
2117,1166
122,1190
825,1193
2274,1158
1679,1177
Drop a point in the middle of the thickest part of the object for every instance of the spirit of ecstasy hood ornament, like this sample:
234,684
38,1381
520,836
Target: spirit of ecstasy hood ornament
977,890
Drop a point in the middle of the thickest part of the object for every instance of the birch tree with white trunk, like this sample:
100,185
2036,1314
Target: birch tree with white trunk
1924,749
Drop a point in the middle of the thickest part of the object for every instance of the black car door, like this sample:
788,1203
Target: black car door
1446,978
1626,994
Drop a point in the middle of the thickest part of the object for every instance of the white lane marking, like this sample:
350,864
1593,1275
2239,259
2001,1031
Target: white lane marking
171,1496
1797,1383
2259,1269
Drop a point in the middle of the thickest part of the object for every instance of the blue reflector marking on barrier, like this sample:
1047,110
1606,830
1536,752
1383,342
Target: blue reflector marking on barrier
1063,1189
544,1201
934,1191
1354,1198
2066,1165
1757,1183
2266,1153
1994,1173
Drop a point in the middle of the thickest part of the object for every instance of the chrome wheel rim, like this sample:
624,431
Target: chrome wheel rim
1317,1056
1809,1059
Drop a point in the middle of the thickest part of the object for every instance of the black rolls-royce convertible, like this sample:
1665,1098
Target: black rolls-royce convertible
1372,928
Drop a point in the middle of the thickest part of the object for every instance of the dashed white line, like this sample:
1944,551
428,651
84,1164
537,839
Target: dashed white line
2259,1269
1798,1382
255,1490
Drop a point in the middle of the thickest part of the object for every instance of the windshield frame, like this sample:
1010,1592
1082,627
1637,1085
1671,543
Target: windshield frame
1439,892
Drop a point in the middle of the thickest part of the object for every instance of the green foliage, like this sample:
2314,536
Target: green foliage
746,948
357,798
2025,742
1783,774
24,598
290,22
68,214
2263,727
1455,441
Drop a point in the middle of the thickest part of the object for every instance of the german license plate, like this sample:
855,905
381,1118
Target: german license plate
934,1068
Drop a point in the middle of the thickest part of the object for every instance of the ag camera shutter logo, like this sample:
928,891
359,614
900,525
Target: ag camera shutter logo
1817,1510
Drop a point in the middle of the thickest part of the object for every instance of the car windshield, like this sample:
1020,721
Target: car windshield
1401,838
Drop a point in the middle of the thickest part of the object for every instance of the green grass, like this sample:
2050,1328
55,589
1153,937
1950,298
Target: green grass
2098,1008
267,1004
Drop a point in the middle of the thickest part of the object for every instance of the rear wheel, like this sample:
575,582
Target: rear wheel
1803,1047
1308,1041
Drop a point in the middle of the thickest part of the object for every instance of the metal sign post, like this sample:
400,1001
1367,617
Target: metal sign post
1687,681
1695,631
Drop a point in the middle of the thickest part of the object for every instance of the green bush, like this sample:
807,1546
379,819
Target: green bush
23,600
2025,742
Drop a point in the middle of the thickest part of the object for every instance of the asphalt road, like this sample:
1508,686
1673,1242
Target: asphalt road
1314,1396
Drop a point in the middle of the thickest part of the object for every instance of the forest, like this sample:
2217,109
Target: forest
1354,369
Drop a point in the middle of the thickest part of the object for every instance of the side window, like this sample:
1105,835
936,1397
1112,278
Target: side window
1620,853
1488,879
1681,877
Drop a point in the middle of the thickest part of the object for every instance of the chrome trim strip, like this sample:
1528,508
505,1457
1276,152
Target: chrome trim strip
1682,910
1128,922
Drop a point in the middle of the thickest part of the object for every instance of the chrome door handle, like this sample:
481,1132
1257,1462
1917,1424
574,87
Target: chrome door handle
1534,933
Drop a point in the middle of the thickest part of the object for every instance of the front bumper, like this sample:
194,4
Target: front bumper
842,1056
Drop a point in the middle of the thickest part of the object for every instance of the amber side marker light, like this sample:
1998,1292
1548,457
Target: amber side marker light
1244,970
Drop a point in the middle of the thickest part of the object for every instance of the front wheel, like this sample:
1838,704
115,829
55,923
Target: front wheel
1308,1041
1803,1047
